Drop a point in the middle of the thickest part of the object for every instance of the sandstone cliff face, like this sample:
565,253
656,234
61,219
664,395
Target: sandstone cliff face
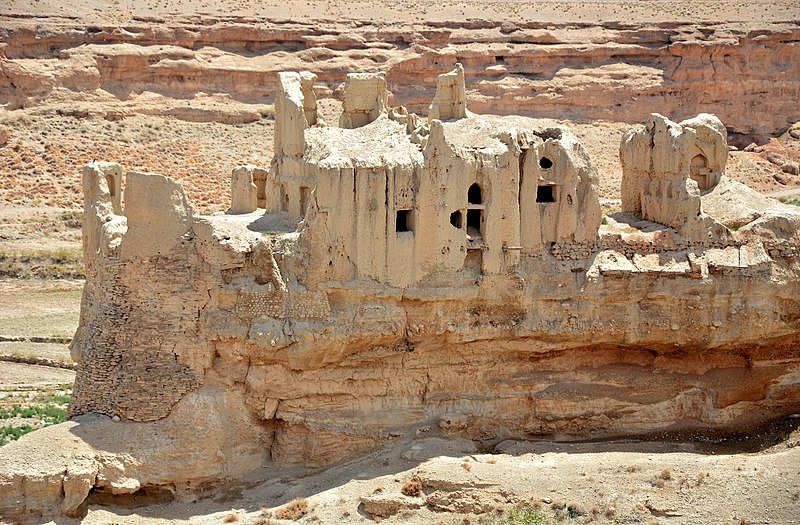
747,76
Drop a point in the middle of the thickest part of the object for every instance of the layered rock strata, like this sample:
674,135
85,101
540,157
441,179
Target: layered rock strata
747,74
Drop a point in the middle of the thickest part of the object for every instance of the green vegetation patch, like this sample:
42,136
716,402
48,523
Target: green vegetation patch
523,514
45,409
13,433
48,413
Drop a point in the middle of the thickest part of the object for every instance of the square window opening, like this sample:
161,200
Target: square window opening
403,222
546,193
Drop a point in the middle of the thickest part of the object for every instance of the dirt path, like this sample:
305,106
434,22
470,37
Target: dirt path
16,376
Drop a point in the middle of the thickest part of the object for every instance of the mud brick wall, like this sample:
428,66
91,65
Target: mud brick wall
629,248
141,319
293,304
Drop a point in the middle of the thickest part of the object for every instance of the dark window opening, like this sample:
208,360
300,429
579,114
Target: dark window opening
499,60
474,194
546,193
545,163
474,223
403,222
457,219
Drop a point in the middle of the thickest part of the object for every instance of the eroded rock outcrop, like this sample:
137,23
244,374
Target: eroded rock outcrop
455,276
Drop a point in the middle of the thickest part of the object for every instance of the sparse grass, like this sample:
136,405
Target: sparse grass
60,263
48,413
13,433
43,410
793,202
524,514
294,510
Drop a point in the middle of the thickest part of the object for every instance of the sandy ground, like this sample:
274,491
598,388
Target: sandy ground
616,482
39,309
409,11
15,376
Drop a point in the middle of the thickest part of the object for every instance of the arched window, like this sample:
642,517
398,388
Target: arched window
474,194
699,172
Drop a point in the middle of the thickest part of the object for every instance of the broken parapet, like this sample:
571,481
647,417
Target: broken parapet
159,215
366,98
666,167
450,101
243,190
295,111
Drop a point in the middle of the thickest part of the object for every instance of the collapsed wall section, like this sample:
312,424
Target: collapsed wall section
667,166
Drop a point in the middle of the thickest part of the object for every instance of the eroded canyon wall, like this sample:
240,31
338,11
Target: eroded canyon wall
748,75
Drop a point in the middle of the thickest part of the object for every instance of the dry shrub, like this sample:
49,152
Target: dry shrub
263,521
666,474
412,487
294,510
230,518
466,466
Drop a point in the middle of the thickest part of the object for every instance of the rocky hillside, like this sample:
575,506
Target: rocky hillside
223,68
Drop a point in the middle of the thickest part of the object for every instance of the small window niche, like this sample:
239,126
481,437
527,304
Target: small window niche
404,221
457,219
546,193
545,163
474,194
699,172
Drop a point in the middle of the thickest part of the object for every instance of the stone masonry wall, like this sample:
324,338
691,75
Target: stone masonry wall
130,365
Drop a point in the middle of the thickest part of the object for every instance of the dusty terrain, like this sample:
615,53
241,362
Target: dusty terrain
207,107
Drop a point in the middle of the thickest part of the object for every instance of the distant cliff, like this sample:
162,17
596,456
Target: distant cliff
748,76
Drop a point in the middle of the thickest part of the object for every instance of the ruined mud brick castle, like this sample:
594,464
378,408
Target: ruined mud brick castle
395,274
